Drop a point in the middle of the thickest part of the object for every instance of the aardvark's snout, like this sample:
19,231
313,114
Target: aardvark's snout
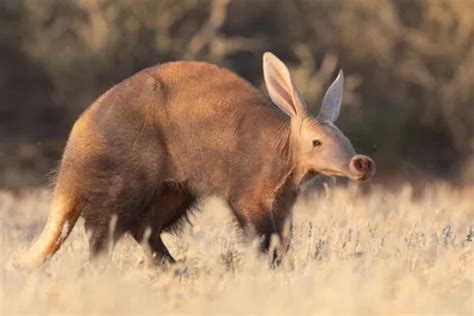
362,167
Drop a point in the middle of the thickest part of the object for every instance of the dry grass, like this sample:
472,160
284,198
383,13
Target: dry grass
383,253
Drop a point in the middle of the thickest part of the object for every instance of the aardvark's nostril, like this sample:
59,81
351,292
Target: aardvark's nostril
360,164
370,165
363,165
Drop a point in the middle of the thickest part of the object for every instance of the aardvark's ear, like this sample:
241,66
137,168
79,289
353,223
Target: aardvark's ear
281,88
332,100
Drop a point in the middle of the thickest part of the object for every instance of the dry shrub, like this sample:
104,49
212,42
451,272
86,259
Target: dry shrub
409,65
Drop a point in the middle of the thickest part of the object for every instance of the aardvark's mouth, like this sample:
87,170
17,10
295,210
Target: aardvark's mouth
346,174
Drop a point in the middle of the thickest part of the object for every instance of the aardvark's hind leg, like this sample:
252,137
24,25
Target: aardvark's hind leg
167,208
111,212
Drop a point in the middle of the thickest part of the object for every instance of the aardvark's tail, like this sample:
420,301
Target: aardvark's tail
62,217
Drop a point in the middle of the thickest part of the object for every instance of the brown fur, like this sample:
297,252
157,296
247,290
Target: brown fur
154,143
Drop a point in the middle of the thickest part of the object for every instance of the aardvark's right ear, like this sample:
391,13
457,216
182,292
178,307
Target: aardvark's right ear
332,100
281,88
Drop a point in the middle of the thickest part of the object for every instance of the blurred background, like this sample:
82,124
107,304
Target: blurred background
409,66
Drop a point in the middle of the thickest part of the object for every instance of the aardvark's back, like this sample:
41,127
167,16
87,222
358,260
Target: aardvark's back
213,122
181,121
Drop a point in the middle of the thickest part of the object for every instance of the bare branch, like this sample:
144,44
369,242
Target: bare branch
217,16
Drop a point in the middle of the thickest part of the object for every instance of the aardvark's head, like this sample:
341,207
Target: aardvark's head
318,144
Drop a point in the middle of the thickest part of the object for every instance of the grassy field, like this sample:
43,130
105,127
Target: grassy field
386,252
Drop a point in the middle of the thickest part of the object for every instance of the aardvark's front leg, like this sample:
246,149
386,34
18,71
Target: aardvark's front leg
266,219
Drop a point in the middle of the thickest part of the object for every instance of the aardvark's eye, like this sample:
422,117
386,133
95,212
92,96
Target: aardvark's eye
317,143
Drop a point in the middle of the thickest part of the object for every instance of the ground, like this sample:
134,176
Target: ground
384,251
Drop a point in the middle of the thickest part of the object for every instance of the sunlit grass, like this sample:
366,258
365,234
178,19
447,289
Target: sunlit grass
383,252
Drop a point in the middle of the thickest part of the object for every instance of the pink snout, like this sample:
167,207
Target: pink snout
362,167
